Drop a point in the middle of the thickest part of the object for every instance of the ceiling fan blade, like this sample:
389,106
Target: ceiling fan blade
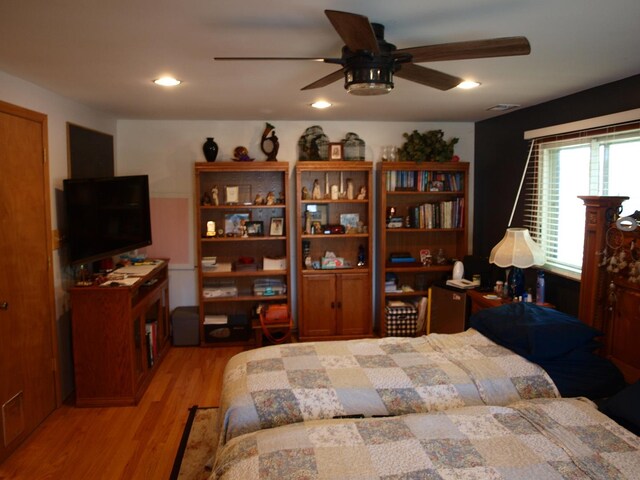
355,30
326,80
427,76
490,47
315,59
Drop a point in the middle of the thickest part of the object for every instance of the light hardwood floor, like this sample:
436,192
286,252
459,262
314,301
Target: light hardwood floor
124,442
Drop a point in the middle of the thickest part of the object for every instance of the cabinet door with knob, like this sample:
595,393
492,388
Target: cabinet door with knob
336,306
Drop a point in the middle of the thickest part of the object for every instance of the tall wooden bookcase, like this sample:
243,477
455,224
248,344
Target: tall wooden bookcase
334,303
229,288
423,206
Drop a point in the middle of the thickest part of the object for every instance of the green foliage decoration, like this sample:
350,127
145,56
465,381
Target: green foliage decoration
427,147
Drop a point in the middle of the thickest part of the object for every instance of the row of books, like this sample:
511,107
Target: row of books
424,181
448,214
151,335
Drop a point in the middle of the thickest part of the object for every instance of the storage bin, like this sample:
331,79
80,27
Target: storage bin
185,325
401,321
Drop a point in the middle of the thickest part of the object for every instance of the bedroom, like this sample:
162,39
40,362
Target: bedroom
137,149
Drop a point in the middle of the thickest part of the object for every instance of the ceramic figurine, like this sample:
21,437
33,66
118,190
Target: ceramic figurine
350,190
315,192
271,198
214,196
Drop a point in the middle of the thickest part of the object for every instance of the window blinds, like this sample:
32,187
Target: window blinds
562,166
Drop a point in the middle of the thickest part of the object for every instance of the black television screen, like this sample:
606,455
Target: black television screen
106,216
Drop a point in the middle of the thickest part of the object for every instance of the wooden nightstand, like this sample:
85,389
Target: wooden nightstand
479,301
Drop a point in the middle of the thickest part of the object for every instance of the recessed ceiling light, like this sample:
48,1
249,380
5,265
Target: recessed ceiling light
167,81
321,104
467,84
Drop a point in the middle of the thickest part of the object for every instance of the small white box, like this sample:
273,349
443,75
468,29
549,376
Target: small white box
274,263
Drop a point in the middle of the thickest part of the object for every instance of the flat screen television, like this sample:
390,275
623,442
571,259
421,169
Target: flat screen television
106,216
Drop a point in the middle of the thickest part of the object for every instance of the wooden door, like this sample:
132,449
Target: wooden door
28,379
354,302
319,305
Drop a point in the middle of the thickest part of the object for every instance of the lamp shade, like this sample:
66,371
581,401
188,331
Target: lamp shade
517,249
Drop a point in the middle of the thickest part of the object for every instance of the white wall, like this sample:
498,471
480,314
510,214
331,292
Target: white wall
59,110
166,151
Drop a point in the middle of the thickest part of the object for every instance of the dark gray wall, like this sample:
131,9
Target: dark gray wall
500,156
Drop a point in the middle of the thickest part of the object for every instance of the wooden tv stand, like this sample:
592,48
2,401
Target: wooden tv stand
113,359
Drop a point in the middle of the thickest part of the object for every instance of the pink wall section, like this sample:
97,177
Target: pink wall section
170,229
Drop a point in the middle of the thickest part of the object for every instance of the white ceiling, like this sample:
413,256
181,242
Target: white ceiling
104,53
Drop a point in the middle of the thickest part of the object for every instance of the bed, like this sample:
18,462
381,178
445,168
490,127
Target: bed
499,361
291,383
531,439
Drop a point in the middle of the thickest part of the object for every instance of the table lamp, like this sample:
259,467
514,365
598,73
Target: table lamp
517,249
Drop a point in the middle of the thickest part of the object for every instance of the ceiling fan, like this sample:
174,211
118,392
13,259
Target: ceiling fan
369,62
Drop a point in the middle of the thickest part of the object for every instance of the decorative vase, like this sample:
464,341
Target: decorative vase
210,149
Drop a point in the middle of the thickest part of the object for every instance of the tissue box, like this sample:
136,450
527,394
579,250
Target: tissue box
332,262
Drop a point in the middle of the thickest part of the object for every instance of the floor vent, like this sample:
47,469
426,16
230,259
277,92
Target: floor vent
13,418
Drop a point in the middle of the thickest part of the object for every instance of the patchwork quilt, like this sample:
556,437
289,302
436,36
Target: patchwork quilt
534,439
284,384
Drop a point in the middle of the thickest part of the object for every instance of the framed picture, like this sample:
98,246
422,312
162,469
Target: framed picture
233,223
255,229
335,151
349,221
231,194
276,229
244,195
319,213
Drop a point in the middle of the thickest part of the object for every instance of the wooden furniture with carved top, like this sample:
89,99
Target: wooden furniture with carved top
114,360
597,218
610,286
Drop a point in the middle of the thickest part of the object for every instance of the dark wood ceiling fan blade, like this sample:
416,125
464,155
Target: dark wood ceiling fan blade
326,80
490,47
314,59
427,76
355,30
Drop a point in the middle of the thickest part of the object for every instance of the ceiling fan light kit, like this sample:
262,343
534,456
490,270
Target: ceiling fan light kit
369,62
368,80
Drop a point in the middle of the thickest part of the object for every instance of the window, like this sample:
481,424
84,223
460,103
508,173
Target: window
602,161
